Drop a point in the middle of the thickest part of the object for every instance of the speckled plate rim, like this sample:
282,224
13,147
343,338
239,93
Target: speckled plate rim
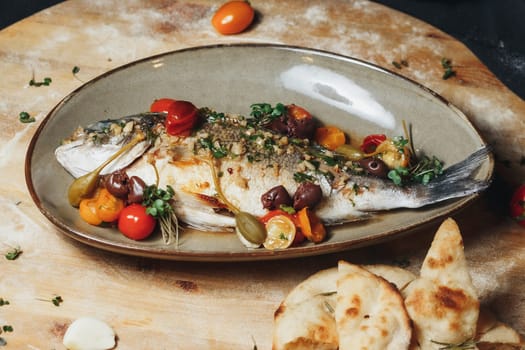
248,254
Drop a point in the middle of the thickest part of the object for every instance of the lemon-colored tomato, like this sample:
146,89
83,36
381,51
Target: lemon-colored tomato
281,232
108,206
233,17
88,211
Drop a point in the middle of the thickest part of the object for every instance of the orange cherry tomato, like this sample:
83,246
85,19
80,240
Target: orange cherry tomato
311,226
88,211
330,137
233,17
108,206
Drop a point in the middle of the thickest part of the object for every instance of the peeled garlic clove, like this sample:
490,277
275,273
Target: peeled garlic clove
87,333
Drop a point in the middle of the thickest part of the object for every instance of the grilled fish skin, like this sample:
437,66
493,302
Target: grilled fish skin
250,160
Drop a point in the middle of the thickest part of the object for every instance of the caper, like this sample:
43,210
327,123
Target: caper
374,166
350,152
251,229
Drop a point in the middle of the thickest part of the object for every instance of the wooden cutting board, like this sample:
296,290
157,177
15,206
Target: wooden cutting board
155,304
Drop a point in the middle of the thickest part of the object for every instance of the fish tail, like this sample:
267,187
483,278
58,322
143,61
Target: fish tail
457,180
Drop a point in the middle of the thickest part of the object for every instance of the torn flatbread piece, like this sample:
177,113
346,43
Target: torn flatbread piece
369,313
306,325
442,302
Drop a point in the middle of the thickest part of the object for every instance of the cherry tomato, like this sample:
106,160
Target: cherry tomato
298,112
181,115
233,17
88,211
371,142
135,223
108,206
517,205
162,105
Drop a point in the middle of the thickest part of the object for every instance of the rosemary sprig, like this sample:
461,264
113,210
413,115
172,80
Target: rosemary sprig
465,345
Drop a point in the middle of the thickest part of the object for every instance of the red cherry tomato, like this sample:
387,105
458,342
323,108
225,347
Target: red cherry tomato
517,205
233,17
135,223
181,115
371,142
162,105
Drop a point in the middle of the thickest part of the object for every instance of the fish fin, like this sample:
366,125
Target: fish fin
457,180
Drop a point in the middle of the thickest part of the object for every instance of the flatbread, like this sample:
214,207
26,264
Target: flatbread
369,313
442,302
309,324
491,330
301,320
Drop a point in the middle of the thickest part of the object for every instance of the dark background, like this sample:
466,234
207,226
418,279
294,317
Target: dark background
494,30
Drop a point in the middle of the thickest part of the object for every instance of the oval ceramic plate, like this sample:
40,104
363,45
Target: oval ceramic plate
359,97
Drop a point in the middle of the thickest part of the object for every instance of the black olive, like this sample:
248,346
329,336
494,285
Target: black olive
374,166
136,189
117,184
275,197
301,128
307,195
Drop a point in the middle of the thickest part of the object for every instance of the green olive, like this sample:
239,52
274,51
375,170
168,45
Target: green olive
350,152
251,229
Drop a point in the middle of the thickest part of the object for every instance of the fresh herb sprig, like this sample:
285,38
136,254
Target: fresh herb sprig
25,118
448,70
13,253
264,113
56,300
158,204
424,171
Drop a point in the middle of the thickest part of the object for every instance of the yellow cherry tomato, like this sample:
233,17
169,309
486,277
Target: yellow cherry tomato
88,211
108,206
281,232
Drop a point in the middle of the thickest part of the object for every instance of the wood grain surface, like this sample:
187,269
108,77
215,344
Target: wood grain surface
154,304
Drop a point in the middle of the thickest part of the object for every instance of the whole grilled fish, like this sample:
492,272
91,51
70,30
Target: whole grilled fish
245,160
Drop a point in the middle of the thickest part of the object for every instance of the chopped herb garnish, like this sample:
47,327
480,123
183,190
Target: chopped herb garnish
447,66
400,64
4,302
24,117
302,177
287,209
75,70
13,254
283,237
400,142
217,151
